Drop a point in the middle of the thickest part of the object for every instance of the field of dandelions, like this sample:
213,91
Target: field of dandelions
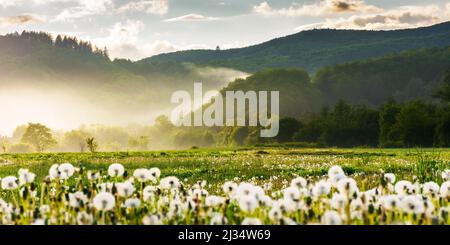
237,187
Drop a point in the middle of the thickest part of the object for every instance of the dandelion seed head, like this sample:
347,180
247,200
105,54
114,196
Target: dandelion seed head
154,219
430,188
390,177
104,201
132,203
116,170
125,189
66,170
9,183
404,187
445,189
331,218
218,219
299,183
84,218
251,221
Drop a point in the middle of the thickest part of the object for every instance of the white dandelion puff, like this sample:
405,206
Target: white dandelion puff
104,201
251,221
9,183
116,170
331,218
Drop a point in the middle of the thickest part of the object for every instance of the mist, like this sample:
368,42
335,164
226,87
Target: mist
73,101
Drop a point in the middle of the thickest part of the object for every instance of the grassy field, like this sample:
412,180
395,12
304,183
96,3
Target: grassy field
243,186
277,165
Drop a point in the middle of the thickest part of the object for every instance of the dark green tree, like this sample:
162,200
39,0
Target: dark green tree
288,127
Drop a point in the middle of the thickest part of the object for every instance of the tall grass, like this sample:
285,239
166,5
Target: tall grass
429,166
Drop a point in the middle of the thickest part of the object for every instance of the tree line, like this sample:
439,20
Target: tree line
29,39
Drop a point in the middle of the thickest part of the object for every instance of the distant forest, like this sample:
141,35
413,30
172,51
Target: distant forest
398,99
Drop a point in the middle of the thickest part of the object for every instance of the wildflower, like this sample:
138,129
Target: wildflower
177,207
334,179
412,204
148,193
445,189
370,195
84,218
9,183
54,172
347,185
38,222
288,221
104,201
430,188
152,220
3,206
389,177
155,172
170,182
285,205
444,212
292,193
390,202
266,201
335,170
299,183
331,218
404,187
198,193
251,221
76,199
229,188
213,201
125,189
248,204
26,177
446,175
142,175
116,170
66,170
218,219
275,214
321,188
132,203
44,209
245,189
356,204
338,201
92,176
106,187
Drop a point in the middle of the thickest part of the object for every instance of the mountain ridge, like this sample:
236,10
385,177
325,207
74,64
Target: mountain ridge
314,49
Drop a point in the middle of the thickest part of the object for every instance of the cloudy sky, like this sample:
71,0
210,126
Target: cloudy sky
140,28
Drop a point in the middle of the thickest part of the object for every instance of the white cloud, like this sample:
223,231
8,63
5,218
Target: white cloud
320,8
191,17
83,8
9,3
400,18
123,41
160,7
21,20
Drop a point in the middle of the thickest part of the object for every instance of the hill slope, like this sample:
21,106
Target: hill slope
405,76
314,49
72,83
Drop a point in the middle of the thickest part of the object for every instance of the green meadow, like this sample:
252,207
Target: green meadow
274,164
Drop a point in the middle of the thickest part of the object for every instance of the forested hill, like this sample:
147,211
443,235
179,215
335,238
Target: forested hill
38,65
314,49
405,76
